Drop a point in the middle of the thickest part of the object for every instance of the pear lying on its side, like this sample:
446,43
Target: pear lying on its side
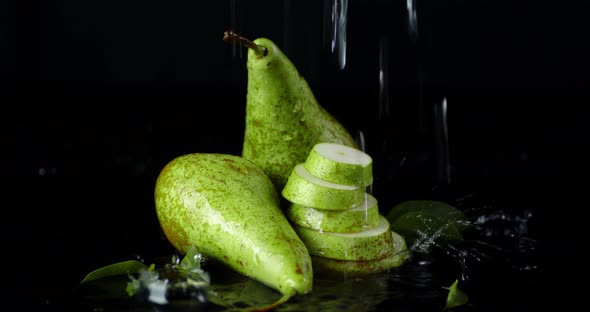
228,209
283,118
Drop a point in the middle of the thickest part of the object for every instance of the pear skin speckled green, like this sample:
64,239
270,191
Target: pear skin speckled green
283,118
357,171
228,209
360,246
366,215
400,256
307,190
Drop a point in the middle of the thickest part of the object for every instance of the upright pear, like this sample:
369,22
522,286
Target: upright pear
227,208
283,118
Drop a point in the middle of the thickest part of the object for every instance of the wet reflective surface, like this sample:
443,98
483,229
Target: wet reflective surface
508,260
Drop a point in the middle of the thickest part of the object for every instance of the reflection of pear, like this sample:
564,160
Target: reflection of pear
283,118
228,209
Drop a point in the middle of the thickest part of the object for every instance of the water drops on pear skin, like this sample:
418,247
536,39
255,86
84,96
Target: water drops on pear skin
280,104
201,199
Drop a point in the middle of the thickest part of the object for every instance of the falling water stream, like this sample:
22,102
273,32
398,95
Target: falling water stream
412,19
441,139
338,24
235,25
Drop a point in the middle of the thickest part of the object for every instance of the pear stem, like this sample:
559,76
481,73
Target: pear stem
231,37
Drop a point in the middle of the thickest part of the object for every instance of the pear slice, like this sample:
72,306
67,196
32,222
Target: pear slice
371,244
340,164
305,189
359,218
400,255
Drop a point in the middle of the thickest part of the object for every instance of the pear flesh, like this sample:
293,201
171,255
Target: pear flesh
305,189
366,215
340,164
371,244
353,240
283,118
228,209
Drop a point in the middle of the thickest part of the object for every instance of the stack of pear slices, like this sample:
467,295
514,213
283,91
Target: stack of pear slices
335,217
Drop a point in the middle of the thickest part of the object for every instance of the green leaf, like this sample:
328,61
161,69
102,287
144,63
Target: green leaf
192,260
125,267
190,268
424,223
133,287
456,297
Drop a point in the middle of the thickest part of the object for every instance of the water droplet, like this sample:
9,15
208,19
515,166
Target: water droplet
402,162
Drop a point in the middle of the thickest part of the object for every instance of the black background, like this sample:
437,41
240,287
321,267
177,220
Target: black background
97,96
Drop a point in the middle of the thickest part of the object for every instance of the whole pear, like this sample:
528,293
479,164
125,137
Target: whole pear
227,208
283,118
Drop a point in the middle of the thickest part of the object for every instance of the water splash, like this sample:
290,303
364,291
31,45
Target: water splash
441,133
383,78
498,238
338,21
176,279
412,20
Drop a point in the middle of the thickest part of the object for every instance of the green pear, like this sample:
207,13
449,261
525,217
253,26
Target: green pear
370,244
340,164
305,189
366,215
228,209
283,118
327,266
